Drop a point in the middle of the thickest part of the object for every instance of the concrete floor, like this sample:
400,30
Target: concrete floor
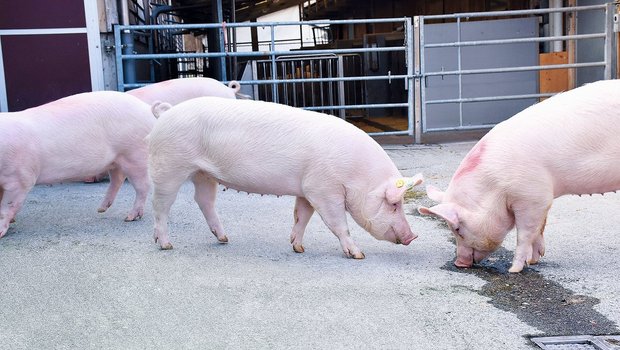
76,279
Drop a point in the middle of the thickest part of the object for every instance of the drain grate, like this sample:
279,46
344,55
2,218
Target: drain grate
579,342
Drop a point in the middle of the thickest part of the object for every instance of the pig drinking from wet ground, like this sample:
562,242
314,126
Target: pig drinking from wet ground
259,147
69,139
174,91
567,144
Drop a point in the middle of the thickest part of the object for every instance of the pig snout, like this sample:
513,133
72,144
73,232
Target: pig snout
466,256
408,239
403,237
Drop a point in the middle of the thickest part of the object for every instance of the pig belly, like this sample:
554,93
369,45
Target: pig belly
279,189
597,179
575,172
276,181
80,168
59,163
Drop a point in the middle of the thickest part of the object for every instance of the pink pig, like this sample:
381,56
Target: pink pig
175,91
567,144
328,164
70,138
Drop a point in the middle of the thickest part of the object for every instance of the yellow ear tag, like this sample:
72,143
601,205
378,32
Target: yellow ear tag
400,183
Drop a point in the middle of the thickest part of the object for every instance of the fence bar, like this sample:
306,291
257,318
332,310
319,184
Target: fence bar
464,127
517,69
490,98
274,72
514,12
376,105
389,133
609,39
409,84
417,81
422,53
517,40
299,80
258,24
459,68
119,61
147,56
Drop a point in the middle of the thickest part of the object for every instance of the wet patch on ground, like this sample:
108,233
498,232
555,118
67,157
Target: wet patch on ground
539,302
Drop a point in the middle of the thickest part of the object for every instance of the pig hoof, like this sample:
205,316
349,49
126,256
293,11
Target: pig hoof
223,239
134,218
359,255
166,246
516,268
101,210
298,248
12,220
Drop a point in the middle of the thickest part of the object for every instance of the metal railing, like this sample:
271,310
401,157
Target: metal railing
317,96
275,82
332,80
421,111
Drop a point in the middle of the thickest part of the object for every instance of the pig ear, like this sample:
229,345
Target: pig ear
434,193
233,84
396,190
447,211
159,107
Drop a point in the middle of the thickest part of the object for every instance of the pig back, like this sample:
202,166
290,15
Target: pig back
570,140
267,147
174,91
82,134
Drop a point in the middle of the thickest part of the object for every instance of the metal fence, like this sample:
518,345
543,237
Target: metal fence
321,95
422,115
314,79
338,81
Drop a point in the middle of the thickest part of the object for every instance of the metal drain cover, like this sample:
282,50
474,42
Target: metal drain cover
579,342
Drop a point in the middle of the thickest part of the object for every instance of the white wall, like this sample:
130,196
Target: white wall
291,34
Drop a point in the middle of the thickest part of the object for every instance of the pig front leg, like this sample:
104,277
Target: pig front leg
530,223
116,181
11,202
302,213
205,190
134,167
333,213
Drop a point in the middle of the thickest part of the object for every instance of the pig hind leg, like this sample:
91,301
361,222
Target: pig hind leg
166,185
205,190
302,214
334,216
530,223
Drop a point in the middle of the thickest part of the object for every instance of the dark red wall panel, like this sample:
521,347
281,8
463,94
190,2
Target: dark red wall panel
43,68
37,14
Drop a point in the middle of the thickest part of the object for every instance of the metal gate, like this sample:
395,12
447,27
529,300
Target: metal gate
460,72
315,79
349,82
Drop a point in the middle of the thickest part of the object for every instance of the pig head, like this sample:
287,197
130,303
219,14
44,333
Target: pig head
479,228
380,211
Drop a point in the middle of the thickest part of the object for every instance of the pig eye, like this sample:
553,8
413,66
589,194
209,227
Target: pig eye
458,232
